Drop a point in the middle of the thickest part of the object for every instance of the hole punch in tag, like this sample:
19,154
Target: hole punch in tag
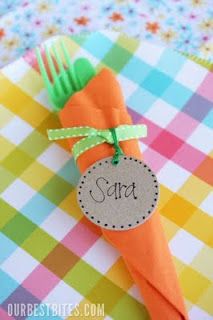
118,197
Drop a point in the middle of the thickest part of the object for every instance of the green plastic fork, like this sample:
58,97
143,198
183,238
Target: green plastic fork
71,77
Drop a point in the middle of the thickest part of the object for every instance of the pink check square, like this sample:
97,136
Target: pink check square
80,239
188,157
205,89
153,130
4,315
154,159
182,125
166,144
40,282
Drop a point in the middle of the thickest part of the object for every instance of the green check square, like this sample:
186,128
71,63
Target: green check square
6,178
116,58
105,292
39,244
82,277
18,228
80,38
129,308
6,213
17,161
130,44
34,144
56,189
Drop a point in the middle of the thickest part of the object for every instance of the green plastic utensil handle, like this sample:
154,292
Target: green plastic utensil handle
68,81
84,71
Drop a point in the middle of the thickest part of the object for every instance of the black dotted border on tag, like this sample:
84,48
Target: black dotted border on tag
121,226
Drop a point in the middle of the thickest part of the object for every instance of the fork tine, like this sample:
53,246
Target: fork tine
43,70
71,70
53,71
61,68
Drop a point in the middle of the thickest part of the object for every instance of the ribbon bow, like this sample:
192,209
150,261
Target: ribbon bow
94,137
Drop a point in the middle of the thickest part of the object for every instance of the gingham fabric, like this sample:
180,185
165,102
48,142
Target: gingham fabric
49,253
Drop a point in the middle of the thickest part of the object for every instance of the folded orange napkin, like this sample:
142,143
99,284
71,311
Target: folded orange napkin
144,249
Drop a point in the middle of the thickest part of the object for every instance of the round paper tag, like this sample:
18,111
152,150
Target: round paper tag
118,197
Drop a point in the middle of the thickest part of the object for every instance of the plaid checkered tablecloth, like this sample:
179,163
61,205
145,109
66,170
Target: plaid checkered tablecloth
50,253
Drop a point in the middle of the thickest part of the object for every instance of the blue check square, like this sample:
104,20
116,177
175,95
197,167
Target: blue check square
141,100
100,50
38,208
208,120
43,312
70,172
170,62
136,70
156,82
8,285
7,246
177,95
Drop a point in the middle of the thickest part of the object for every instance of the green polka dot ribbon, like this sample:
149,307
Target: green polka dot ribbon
92,137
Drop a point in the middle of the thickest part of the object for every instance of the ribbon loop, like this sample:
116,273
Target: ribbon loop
92,137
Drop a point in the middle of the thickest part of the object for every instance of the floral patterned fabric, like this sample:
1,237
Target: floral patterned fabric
185,25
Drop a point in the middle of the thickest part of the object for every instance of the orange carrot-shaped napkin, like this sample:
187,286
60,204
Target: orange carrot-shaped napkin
144,248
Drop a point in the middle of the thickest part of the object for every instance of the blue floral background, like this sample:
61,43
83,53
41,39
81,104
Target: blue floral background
185,25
